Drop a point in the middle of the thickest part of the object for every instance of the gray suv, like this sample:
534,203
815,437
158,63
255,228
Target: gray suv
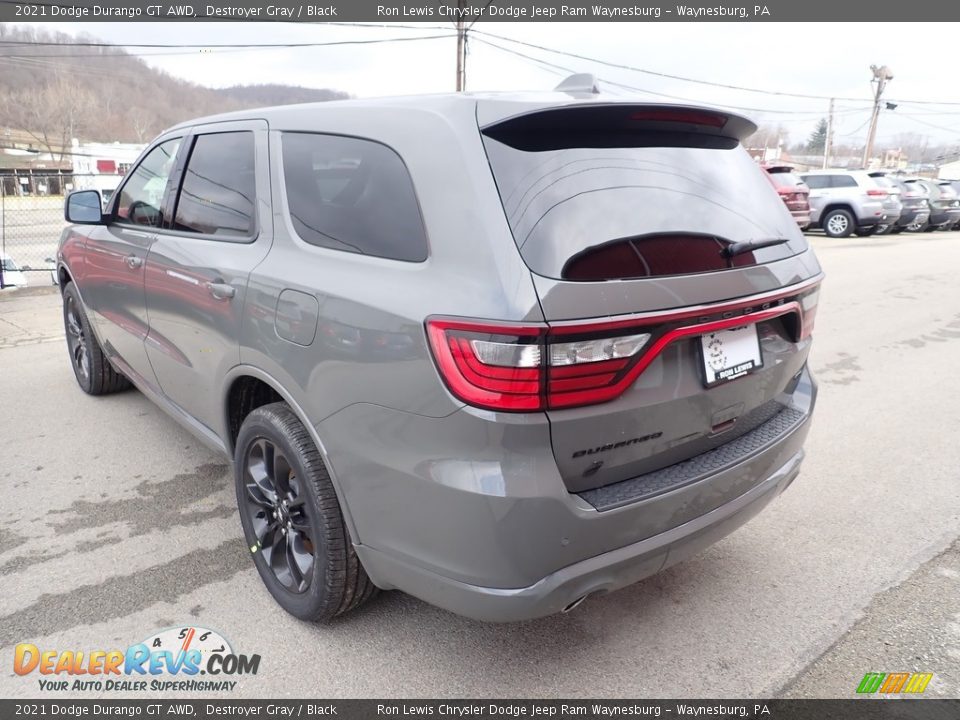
499,352
849,201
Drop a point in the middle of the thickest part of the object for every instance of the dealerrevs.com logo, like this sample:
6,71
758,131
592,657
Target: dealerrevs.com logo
184,658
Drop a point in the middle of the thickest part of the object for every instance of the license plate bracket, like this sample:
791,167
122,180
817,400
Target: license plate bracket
730,354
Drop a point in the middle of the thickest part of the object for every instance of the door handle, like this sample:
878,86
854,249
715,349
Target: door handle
134,261
221,291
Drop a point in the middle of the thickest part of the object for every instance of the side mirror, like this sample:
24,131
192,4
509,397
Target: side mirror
84,207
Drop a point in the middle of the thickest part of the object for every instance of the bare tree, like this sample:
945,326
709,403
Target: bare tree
768,136
140,119
54,114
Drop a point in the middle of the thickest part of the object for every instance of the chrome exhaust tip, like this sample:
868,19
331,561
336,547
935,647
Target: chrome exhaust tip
574,604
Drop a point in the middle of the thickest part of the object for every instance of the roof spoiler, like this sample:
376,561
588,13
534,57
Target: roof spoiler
620,123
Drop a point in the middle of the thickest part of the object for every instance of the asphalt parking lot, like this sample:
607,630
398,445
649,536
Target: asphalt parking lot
116,523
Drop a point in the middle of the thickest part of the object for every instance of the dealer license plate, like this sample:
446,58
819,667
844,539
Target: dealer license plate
729,354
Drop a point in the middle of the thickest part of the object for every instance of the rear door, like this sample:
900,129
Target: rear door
633,230
819,193
115,256
197,269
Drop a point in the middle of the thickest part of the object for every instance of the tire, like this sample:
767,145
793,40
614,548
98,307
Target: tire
867,232
896,229
886,229
838,224
95,375
292,520
917,227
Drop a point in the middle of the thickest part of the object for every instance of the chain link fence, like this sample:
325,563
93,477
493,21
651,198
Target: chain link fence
31,220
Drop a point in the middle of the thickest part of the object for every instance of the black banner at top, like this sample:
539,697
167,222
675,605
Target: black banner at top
433,11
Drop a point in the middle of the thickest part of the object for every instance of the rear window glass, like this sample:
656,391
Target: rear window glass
597,213
785,179
353,195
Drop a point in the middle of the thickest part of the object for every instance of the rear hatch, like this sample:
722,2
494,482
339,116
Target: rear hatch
672,277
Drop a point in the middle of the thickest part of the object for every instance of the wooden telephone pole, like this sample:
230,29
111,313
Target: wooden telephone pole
881,76
828,143
461,47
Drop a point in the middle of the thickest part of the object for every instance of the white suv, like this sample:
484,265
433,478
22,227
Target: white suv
846,201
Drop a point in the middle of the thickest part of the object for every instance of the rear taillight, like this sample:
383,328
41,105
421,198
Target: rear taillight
518,367
808,316
521,367
876,192
491,366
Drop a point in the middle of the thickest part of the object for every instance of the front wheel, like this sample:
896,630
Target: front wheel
292,520
838,224
95,375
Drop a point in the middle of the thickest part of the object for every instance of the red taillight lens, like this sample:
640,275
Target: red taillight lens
527,367
809,302
876,192
469,356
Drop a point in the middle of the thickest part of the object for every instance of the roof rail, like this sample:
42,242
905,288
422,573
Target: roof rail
579,84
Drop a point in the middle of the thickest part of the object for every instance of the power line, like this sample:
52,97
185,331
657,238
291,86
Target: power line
621,66
120,52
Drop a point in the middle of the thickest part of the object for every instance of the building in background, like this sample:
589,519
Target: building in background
100,166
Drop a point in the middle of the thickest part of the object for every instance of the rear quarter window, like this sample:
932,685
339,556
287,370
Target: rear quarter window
352,195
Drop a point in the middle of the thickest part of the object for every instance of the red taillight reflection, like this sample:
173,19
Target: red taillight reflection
693,117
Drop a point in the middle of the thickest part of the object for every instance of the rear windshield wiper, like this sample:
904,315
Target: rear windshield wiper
738,248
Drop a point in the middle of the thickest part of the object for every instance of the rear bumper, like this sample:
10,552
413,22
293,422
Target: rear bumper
802,217
909,217
598,575
501,539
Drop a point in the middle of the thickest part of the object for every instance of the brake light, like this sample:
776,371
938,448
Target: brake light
518,367
809,301
876,192
680,115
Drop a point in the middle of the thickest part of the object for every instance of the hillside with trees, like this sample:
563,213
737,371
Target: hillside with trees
58,91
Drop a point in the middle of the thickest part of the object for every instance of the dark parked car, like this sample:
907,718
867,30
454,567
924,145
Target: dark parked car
502,352
916,205
893,204
944,205
793,191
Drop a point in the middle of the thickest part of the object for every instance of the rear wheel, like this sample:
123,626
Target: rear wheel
867,231
292,520
896,229
95,375
838,224
885,229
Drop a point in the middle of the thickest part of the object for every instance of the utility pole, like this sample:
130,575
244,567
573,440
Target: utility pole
828,143
881,76
461,47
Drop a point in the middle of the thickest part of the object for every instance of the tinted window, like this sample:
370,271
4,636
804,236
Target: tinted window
142,195
841,181
218,193
817,182
582,212
352,195
785,179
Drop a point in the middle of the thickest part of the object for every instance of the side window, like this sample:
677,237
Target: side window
352,195
141,197
844,181
218,192
816,182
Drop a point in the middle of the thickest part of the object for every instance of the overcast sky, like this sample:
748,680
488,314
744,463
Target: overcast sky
811,58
